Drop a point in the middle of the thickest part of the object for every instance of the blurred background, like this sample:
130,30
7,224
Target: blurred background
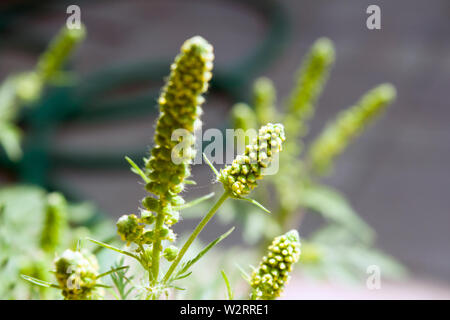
396,175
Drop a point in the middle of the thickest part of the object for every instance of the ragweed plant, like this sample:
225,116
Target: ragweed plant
297,184
148,235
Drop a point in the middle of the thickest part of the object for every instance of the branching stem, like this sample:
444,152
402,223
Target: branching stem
194,235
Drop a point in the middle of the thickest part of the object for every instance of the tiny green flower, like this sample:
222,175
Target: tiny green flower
170,253
239,178
129,228
76,273
272,274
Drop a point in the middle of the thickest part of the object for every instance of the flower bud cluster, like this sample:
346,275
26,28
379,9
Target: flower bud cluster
136,230
272,274
239,178
76,273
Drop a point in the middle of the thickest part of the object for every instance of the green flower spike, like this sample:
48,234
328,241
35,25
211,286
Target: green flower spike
348,125
30,84
76,273
264,99
55,221
169,163
179,103
61,46
272,274
243,117
239,178
311,79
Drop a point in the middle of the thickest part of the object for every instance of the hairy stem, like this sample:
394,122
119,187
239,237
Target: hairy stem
156,255
194,235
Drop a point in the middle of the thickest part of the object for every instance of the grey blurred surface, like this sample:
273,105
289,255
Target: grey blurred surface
397,174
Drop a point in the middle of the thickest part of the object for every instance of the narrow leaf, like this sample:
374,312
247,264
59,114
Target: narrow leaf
210,165
203,252
99,285
244,274
39,282
195,202
135,169
183,276
256,203
227,283
111,271
107,246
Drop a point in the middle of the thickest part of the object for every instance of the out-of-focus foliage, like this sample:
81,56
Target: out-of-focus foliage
344,247
28,232
24,88
35,225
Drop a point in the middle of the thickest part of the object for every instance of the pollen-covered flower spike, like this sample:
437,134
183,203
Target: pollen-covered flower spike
76,273
179,103
272,274
239,178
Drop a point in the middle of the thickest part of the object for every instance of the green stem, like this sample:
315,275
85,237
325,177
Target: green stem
156,255
194,235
